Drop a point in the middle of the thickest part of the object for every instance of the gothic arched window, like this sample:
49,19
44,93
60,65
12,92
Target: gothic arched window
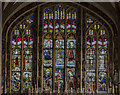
59,40
96,54
22,55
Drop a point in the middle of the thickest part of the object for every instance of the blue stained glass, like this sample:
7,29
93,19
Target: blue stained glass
58,12
47,58
90,81
44,15
27,62
102,81
63,13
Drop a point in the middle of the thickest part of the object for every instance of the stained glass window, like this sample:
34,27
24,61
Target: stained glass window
54,22
102,59
47,62
96,33
22,40
47,49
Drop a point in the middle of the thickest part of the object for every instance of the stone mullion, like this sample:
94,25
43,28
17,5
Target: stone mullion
53,52
41,50
96,65
10,59
108,65
6,66
38,18
22,52
81,48
85,54
65,52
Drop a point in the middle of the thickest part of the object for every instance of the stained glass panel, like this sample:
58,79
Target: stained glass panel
102,67
45,26
47,78
90,32
74,26
89,21
71,43
62,25
100,42
68,26
90,81
27,62
14,42
96,26
102,32
27,80
25,42
102,63
51,26
56,26
59,58
48,43
90,68
88,42
59,43
19,41
29,20
16,31
102,81
15,81
16,64
94,42
71,77
30,42
105,42
28,32
71,58
47,56
59,78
